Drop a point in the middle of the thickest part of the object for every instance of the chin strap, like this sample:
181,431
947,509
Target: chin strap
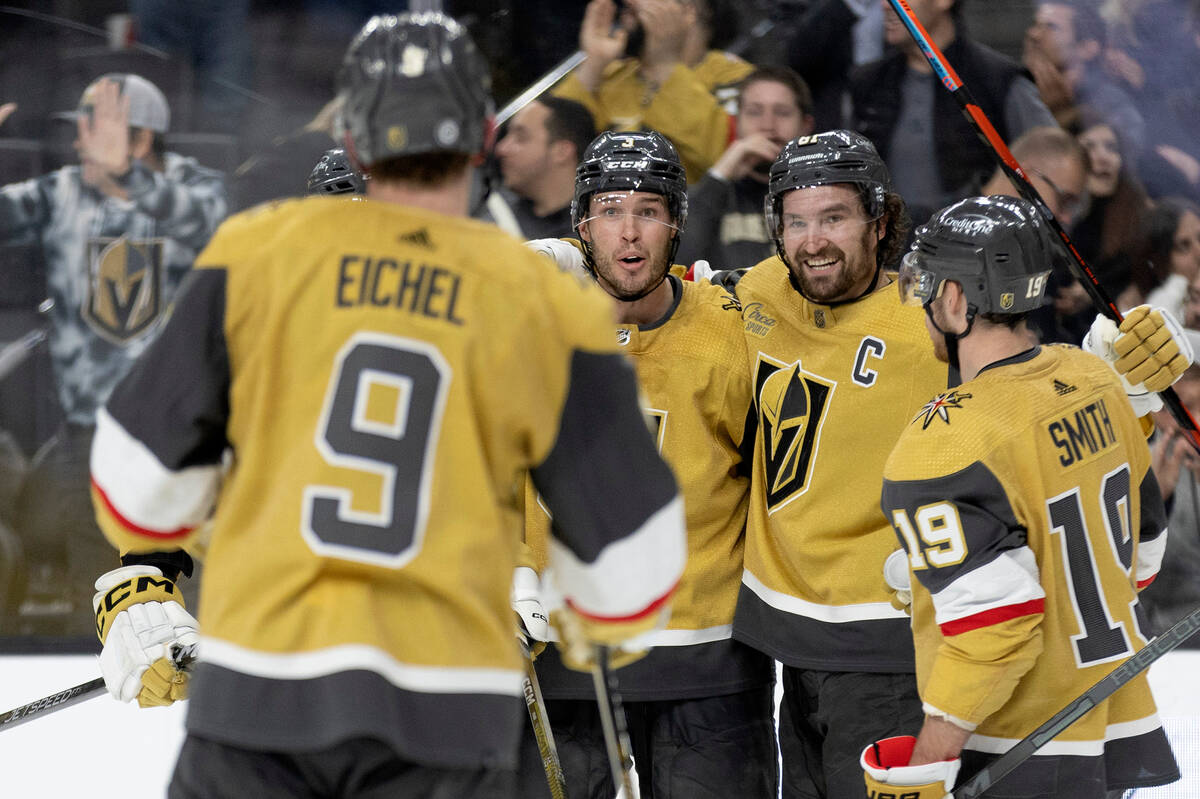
952,339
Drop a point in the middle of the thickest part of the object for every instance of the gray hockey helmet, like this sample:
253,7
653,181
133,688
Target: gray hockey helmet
834,156
414,83
997,248
334,174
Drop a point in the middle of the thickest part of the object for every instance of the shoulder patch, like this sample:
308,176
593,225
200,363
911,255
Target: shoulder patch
939,408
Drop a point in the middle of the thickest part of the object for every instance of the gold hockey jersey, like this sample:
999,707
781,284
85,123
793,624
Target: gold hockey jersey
384,378
834,387
1025,501
695,389
693,108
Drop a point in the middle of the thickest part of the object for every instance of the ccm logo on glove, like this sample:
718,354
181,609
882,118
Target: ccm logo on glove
143,588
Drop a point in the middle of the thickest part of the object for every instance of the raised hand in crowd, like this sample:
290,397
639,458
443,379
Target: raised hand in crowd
666,24
756,151
103,141
602,37
6,111
1171,454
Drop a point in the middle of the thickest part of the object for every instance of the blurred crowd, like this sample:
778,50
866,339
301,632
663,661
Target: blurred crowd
202,110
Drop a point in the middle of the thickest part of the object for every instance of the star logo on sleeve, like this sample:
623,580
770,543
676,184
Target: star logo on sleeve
939,408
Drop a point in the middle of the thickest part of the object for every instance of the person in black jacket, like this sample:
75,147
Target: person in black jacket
931,150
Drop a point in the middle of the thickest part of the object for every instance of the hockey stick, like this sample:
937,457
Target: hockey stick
541,729
48,704
183,657
987,776
536,89
612,722
988,135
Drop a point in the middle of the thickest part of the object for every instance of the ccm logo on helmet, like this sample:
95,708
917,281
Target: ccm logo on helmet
641,163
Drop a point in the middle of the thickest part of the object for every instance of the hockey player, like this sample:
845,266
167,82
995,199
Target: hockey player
360,389
838,366
1030,518
334,174
699,704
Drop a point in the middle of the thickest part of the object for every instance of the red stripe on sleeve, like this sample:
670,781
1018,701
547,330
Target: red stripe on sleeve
994,616
650,609
1143,583
134,528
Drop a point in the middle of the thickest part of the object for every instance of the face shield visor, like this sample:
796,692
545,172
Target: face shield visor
615,209
918,284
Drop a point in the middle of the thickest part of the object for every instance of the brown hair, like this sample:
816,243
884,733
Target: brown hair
425,169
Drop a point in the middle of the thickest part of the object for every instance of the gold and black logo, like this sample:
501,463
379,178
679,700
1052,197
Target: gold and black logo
791,408
939,408
125,287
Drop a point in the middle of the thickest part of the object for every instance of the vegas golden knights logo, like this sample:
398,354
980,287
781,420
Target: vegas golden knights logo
791,408
125,287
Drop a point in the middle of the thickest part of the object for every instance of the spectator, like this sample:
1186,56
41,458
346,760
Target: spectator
1173,245
1155,50
1064,50
214,38
725,207
932,152
1112,232
1176,591
677,84
118,231
538,155
1057,166
832,37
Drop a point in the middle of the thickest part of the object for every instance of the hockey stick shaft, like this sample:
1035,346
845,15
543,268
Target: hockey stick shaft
988,135
183,657
51,703
536,706
1104,688
613,724
539,87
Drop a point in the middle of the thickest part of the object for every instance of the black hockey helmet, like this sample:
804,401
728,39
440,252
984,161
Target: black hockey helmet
633,161
414,83
834,156
997,248
334,174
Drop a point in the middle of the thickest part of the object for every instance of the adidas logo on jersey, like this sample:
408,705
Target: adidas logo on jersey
1061,388
418,237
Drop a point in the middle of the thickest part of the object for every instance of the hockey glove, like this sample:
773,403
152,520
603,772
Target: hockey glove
895,574
1149,352
144,627
566,255
533,626
888,775
578,635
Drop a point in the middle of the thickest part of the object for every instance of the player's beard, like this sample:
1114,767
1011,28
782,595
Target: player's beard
630,288
834,287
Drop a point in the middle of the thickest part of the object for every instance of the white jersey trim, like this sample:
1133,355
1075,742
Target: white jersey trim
834,614
630,574
722,632
1149,556
1094,748
143,490
355,657
1010,578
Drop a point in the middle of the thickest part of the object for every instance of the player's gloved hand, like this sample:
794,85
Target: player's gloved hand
533,626
1149,352
146,634
887,773
578,635
896,575
566,255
